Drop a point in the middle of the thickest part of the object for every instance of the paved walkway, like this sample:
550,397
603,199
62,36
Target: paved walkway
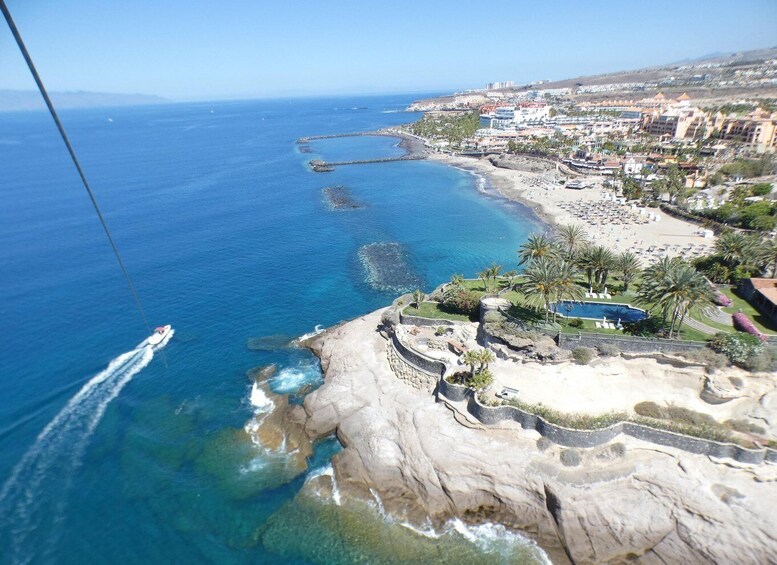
716,314
703,328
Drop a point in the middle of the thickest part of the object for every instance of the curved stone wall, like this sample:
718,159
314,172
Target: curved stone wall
426,322
431,366
591,438
409,373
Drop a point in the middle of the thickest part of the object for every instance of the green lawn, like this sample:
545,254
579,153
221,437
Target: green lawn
434,311
522,311
738,303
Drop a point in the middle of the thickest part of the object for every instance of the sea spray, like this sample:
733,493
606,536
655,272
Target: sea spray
36,492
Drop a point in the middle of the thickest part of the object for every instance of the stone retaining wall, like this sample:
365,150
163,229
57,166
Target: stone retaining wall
630,344
425,322
591,438
426,364
408,373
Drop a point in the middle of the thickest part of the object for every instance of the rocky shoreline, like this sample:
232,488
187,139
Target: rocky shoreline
625,501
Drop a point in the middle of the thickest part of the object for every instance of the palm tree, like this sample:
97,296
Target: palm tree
536,247
628,266
540,282
566,285
756,256
572,239
585,262
484,358
602,261
653,280
770,256
731,246
510,275
485,276
418,298
676,287
493,272
740,250
471,358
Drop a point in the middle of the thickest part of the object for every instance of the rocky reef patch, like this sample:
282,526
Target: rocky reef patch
387,267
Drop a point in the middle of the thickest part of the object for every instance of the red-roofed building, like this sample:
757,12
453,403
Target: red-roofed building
762,293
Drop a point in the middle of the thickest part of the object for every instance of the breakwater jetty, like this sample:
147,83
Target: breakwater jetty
328,166
303,140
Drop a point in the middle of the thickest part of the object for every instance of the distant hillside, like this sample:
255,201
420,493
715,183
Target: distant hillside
16,100
676,69
709,77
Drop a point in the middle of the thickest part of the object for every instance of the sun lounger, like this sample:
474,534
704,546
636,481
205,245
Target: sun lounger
599,325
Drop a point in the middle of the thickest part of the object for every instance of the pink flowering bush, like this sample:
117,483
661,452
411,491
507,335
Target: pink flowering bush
743,324
722,300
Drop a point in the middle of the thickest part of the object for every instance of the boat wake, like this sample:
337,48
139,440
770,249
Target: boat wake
35,495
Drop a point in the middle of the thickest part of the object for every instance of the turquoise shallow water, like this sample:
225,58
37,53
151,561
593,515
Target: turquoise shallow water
228,238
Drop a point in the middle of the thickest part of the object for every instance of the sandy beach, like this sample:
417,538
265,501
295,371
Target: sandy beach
619,226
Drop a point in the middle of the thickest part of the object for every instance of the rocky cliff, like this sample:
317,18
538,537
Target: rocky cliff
618,503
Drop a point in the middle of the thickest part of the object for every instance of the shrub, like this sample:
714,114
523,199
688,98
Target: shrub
707,357
688,416
763,362
481,380
440,330
650,410
571,458
462,302
743,323
739,274
738,346
618,449
575,323
608,350
678,416
745,427
722,300
544,444
583,355
645,328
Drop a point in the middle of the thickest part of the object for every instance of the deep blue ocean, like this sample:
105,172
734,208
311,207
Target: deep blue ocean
227,236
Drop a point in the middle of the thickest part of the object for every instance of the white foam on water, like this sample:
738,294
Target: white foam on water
259,399
494,538
38,485
291,379
327,471
379,502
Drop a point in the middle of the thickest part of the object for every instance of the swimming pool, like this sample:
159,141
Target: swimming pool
598,310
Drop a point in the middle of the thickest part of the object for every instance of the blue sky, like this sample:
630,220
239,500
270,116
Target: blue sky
196,49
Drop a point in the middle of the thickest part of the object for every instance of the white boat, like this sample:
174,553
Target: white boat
159,338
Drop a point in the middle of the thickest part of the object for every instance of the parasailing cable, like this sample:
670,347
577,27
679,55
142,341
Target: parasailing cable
63,134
